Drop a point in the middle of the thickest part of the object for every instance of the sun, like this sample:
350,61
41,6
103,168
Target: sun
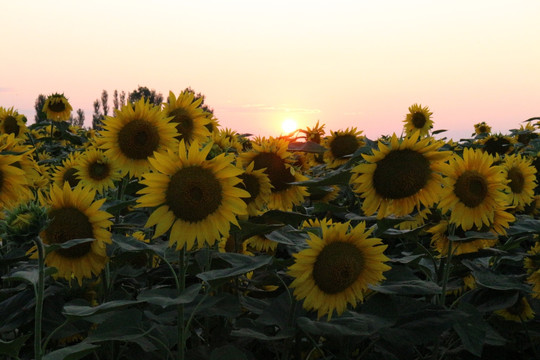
289,125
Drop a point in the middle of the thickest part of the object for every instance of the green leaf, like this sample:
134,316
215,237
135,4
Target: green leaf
350,323
524,224
241,264
248,229
66,245
487,278
227,352
288,235
165,297
408,287
281,217
12,348
114,206
130,244
473,235
29,274
250,329
308,146
80,311
488,300
74,352
336,177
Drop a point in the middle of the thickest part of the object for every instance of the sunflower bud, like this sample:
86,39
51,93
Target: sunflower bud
24,222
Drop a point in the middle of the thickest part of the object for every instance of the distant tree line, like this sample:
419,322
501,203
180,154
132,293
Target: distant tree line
101,106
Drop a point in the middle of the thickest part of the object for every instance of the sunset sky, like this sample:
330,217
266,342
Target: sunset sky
346,63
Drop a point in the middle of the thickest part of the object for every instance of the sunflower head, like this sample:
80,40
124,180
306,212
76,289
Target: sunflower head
187,115
57,107
482,128
314,134
519,312
11,122
337,268
498,144
418,119
23,222
341,145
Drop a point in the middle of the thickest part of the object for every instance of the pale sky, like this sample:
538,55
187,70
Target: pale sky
346,63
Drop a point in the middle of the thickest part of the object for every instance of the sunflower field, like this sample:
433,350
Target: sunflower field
162,235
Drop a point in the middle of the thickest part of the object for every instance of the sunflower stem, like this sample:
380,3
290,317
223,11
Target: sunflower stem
39,290
446,273
180,307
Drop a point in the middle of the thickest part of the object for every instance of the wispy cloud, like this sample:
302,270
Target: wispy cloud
5,89
274,108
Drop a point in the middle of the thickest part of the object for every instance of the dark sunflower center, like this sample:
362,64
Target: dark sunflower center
58,106
497,145
276,170
138,139
517,309
400,174
517,180
11,126
193,193
419,120
471,188
1,180
525,138
337,267
251,185
68,224
99,171
70,177
184,123
482,129
343,145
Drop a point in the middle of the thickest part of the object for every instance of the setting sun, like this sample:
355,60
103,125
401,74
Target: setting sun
289,125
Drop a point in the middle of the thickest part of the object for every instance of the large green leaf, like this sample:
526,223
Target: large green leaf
28,273
12,348
488,278
488,300
165,297
241,264
308,146
74,352
524,225
81,311
289,235
66,245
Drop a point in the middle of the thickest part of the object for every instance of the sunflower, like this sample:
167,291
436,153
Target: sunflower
11,122
196,198
314,134
340,145
67,171
13,181
482,128
134,134
473,188
525,134
337,268
260,243
497,144
75,215
272,156
190,120
95,171
257,184
57,107
532,266
227,139
519,312
439,235
418,119
400,176
520,173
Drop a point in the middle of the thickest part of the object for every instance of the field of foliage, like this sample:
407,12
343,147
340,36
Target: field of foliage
162,235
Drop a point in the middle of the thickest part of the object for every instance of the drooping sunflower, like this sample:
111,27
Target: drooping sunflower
196,198
337,268
272,156
314,134
400,176
522,180
482,128
11,122
95,171
134,134
190,120
418,119
257,184
525,134
473,188
519,312
57,107
340,144
75,214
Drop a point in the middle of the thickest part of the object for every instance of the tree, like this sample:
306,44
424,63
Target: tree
143,92
40,115
116,103
78,120
105,102
96,117
197,96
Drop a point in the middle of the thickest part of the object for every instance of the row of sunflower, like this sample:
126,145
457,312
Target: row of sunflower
163,235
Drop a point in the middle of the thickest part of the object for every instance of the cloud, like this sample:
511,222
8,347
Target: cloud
271,108
5,89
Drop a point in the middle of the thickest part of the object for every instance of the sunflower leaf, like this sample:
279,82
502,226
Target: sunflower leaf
74,352
81,311
29,274
12,348
66,245
165,297
241,264
308,146
489,279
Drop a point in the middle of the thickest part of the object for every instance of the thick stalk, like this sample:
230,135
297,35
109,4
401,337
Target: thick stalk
39,289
